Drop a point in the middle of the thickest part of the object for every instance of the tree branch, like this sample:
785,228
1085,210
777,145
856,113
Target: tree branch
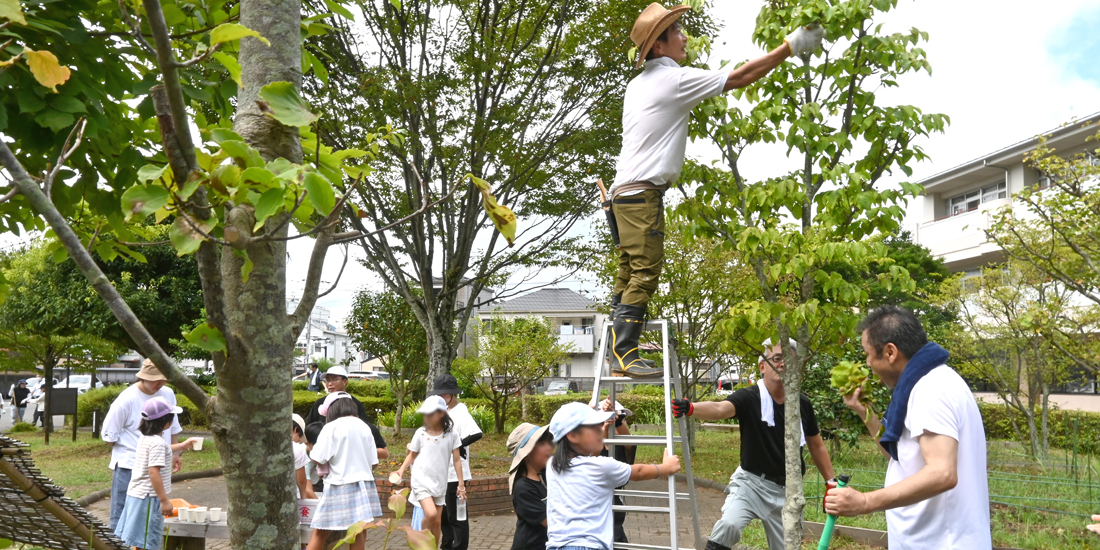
107,291
66,152
313,280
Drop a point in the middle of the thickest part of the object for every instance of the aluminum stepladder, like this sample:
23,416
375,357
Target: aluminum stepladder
672,387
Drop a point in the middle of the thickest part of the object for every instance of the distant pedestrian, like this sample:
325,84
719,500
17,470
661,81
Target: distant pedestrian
313,373
346,447
937,490
142,522
433,451
20,395
456,533
38,399
121,430
336,380
531,448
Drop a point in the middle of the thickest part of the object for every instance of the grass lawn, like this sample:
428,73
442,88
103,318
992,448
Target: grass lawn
1012,480
81,466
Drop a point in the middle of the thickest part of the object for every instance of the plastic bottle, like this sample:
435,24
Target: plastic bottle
460,512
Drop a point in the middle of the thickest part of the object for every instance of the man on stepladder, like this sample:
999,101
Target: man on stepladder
656,107
757,490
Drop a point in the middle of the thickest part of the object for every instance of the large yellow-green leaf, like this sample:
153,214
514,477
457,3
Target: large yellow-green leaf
502,216
46,69
185,238
10,9
319,192
141,200
282,102
230,63
206,337
227,32
270,203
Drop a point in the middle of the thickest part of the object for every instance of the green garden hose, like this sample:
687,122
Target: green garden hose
830,522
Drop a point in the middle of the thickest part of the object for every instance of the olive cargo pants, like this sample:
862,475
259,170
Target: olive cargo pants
641,223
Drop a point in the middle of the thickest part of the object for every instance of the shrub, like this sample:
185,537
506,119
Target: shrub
23,427
998,425
300,385
647,389
540,408
369,388
191,415
409,418
98,400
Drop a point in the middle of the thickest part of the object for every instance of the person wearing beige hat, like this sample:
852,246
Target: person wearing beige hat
531,448
656,107
120,431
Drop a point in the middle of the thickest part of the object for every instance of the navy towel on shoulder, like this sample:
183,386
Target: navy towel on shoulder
921,363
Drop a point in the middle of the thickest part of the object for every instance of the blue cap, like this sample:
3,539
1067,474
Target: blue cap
21,382
574,415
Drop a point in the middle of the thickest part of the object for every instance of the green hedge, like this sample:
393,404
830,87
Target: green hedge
998,425
99,400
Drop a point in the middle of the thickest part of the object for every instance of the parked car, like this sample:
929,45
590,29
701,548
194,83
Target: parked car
82,382
562,387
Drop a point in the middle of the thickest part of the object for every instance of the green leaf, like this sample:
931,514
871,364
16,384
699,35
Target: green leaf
67,104
150,172
258,175
227,32
54,120
207,337
173,15
270,203
246,269
141,200
282,102
396,4
320,192
185,238
336,8
10,9
230,63
242,152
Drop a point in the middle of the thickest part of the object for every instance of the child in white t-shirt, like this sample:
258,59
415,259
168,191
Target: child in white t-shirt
142,522
581,484
432,450
346,447
301,457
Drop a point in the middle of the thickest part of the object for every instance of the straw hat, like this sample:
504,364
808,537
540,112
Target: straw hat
650,24
521,442
149,372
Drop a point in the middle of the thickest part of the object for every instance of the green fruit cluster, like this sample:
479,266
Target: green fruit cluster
848,377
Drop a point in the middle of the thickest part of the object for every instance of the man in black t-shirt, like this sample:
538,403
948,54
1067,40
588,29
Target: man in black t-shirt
336,379
757,489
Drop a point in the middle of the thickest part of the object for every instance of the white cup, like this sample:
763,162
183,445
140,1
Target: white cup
185,515
215,515
200,515
198,444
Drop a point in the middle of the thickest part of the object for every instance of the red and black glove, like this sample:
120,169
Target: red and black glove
682,407
829,485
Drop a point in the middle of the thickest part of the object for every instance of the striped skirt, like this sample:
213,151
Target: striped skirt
342,506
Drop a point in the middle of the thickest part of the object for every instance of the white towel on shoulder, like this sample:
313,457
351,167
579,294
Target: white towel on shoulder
767,409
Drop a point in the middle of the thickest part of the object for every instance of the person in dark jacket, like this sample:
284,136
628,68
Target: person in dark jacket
19,397
336,379
531,447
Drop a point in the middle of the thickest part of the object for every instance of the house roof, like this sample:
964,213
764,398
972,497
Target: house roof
1063,137
547,300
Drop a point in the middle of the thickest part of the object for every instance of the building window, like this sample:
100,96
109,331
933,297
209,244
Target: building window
587,325
566,327
970,201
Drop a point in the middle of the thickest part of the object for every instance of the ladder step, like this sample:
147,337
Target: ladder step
641,440
634,546
641,509
650,494
628,380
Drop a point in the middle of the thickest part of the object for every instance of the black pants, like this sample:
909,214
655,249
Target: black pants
456,534
620,519
39,416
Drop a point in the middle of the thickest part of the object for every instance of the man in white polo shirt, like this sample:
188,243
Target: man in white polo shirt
120,430
937,489
655,129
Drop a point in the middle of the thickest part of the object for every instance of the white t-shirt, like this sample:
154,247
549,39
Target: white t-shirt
464,426
120,426
957,519
301,459
151,451
347,446
435,458
578,502
656,107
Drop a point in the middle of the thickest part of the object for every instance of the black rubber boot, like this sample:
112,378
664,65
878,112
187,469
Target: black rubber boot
711,545
625,332
615,299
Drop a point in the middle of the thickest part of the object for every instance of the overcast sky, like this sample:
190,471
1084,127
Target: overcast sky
1003,72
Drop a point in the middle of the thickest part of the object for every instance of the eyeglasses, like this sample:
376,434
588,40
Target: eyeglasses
776,359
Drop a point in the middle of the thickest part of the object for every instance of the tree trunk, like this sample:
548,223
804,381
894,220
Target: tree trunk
254,399
1033,439
1045,421
500,414
47,421
792,417
397,415
442,354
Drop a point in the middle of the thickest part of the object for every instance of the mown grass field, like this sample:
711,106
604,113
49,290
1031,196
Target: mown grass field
81,468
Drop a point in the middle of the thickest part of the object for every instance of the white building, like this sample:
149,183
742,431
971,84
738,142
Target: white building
322,340
573,315
957,205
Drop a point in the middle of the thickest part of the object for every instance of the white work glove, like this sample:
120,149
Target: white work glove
805,40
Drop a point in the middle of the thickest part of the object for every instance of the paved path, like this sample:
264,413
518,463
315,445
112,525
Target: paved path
489,532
